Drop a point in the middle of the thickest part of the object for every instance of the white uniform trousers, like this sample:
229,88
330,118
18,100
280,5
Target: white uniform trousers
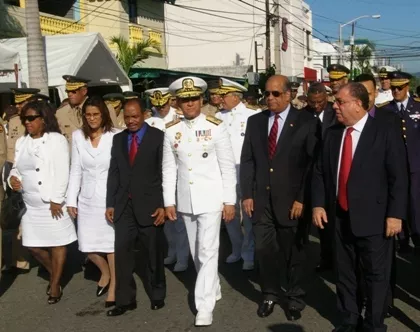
243,243
177,238
203,235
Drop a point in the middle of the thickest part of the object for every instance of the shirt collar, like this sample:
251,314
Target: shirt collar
283,115
360,124
405,102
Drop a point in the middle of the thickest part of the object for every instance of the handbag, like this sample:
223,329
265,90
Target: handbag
12,210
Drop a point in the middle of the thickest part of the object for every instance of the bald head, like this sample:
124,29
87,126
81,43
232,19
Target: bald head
277,93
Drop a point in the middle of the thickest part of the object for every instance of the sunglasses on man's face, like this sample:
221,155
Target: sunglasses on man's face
399,88
274,93
29,118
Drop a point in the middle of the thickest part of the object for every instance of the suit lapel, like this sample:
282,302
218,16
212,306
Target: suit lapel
264,131
335,143
364,145
124,145
289,128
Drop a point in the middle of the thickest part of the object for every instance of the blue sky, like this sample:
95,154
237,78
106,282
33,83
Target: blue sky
397,32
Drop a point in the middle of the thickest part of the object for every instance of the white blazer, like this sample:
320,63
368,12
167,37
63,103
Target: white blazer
52,165
89,169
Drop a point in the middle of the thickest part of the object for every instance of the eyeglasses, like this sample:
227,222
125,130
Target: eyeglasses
92,116
274,93
399,88
29,118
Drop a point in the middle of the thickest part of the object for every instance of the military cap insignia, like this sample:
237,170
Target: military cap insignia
188,84
213,120
172,123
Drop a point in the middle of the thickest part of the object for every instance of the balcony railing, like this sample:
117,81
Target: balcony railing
155,36
135,33
51,25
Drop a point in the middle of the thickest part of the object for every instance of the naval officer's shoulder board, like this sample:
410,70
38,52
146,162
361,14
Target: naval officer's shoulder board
416,99
172,123
382,104
213,120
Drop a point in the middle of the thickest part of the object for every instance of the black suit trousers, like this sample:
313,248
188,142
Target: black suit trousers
151,240
373,256
272,240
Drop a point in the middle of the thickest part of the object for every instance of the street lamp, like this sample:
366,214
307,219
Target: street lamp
341,26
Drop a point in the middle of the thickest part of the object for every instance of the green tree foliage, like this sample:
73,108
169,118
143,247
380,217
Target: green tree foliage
128,54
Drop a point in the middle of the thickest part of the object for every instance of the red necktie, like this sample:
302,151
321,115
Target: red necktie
272,138
345,166
133,149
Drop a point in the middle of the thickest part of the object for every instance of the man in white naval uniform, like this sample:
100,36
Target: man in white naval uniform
384,92
199,180
175,232
235,115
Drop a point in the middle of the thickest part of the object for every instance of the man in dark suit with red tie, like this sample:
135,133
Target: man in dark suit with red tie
360,185
135,206
276,157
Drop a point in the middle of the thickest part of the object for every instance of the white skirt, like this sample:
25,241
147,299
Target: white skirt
95,233
39,229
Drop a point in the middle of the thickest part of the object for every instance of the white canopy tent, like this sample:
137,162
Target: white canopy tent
86,55
9,68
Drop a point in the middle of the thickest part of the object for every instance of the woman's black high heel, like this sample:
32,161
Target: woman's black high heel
55,299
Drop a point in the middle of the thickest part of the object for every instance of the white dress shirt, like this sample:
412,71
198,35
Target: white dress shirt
355,135
405,103
281,120
321,116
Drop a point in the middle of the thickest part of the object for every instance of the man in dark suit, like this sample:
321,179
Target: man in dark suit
320,108
276,158
360,182
135,206
388,118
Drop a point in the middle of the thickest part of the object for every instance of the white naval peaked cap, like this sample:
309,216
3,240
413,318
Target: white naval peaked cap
187,87
227,86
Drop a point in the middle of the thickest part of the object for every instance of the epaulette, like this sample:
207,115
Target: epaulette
172,123
416,99
382,104
213,120
253,107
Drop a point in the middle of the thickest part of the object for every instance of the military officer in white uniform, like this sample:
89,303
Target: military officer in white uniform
175,232
384,92
235,115
199,181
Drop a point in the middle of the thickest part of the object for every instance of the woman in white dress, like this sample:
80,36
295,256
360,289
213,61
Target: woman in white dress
86,195
41,172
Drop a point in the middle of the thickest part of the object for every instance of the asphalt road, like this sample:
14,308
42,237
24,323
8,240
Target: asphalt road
24,308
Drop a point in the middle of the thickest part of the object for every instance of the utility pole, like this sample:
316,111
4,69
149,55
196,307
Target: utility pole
277,50
267,35
352,50
256,55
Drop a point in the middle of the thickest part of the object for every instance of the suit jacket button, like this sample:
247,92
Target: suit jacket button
37,170
268,188
39,182
191,182
271,170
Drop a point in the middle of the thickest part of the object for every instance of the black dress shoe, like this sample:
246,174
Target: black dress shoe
266,308
55,299
117,311
102,290
109,304
345,328
156,305
293,314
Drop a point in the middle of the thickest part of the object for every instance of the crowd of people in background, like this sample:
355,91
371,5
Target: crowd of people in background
128,170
